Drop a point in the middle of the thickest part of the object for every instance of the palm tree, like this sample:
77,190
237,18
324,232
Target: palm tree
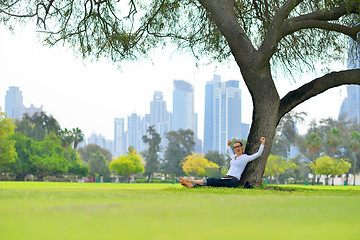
334,140
78,136
354,145
313,144
66,137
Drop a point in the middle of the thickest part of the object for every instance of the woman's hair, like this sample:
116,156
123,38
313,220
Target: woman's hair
238,142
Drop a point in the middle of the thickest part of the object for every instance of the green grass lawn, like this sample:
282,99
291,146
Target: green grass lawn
37,210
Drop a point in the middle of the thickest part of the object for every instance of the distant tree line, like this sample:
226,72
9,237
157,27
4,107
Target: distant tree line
37,146
337,141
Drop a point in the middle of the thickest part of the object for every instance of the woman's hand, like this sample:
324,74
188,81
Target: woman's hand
229,142
262,139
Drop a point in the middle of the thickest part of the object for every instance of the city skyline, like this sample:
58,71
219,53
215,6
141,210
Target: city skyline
14,104
90,95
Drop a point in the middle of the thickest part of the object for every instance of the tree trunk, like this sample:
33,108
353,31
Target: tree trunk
277,179
264,122
76,144
347,178
148,179
355,160
313,179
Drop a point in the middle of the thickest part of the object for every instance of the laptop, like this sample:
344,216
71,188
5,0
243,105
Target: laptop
213,172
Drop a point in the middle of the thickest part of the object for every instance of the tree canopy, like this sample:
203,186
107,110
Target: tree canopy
128,164
85,152
38,125
194,164
276,165
125,29
330,166
181,143
97,164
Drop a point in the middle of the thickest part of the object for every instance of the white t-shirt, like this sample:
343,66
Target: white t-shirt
238,164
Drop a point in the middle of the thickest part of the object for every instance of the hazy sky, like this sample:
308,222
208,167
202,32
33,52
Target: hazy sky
89,95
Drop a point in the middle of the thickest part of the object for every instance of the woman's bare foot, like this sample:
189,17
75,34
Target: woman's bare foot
187,184
185,180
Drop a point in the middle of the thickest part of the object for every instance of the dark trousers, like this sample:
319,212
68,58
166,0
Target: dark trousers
222,182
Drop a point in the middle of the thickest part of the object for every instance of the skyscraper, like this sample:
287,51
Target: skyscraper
146,123
233,110
350,107
159,116
134,131
119,137
183,106
14,103
222,120
209,113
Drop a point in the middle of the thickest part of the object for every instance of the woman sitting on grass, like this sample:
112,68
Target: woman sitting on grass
237,165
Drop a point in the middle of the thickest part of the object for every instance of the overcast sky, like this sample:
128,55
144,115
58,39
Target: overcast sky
89,95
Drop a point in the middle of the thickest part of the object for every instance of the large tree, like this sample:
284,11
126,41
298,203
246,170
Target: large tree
37,126
152,139
97,165
128,164
260,36
85,153
181,144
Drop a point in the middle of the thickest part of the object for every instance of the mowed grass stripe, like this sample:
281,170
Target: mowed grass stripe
35,210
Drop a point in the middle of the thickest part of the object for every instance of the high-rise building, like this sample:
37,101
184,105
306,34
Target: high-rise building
135,132
222,120
183,106
159,116
209,113
119,137
14,103
14,107
350,107
146,123
232,110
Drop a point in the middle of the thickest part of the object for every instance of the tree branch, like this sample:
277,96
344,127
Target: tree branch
317,86
281,27
268,47
350,31
332,14
222,13
304,22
